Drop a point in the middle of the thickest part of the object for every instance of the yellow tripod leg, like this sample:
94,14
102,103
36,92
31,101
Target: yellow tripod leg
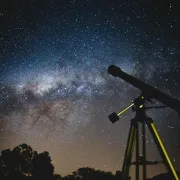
129,150
162,149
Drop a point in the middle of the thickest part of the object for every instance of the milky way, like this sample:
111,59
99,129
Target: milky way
55,91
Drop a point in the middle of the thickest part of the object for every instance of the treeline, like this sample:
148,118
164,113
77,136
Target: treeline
87,173
22,163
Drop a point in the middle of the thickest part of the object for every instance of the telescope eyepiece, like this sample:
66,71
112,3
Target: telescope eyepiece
114,70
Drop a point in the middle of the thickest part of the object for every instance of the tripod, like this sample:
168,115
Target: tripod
138,106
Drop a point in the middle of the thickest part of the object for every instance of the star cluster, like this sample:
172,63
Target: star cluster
55,91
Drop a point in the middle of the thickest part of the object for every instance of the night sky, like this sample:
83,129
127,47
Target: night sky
55,92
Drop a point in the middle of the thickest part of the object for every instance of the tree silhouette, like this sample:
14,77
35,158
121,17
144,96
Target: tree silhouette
87,173
57,177
23,163
42,167
164,176
25,156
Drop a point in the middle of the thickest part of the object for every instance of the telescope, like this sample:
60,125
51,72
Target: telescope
147,90
138,105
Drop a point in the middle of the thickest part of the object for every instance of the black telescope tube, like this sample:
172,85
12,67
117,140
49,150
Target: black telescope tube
146,89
